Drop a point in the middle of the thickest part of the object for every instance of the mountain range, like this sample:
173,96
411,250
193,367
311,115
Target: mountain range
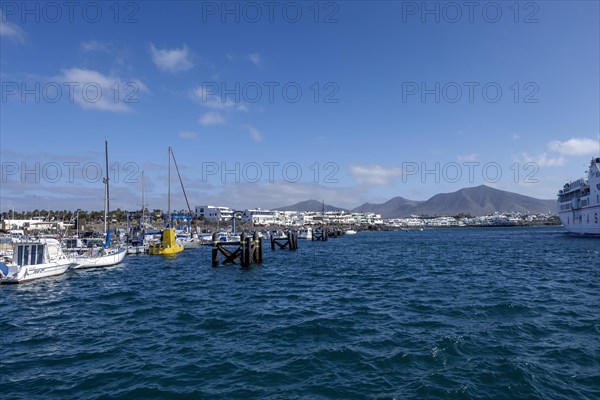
476,201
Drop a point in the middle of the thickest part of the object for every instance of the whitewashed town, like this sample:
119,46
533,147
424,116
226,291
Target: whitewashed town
209,215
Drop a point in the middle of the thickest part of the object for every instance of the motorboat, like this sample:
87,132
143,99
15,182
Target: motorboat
34,259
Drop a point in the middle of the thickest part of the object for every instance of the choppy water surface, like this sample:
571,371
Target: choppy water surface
509,313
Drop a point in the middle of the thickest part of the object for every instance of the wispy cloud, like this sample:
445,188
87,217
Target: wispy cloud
255,58
94,45
96,91
575,146
283,193
467,157
212,118
515,136
255,134
543,160
374,174
562,149
171,60
10,30
214,101
187,135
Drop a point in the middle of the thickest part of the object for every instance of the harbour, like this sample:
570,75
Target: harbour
468,313
300,200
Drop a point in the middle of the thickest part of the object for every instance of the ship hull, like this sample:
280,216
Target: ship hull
583,221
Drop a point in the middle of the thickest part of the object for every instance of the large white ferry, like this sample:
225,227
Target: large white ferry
579,202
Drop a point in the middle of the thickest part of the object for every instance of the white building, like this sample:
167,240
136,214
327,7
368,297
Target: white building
260,217
367,218
214,213
34,224
304,219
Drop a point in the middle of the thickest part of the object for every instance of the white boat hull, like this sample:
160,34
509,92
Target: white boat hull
305,234
103,260
20,274
583,221
143,249
191,243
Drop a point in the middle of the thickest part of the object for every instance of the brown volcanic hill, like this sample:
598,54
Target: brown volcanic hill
479,200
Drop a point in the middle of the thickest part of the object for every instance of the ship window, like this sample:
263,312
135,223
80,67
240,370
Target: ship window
40,254
26,260
33,255
20,258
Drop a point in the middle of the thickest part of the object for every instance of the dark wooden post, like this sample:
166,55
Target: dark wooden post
215,250
215,256
243,254
249,252
260,250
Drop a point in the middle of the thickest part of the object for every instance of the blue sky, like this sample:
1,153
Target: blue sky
266,104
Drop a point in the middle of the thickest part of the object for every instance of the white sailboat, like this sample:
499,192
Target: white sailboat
106,255
189,240
34,259
139,244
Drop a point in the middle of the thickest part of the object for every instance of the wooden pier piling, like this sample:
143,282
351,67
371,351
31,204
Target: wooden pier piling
290,241
248,250
320,235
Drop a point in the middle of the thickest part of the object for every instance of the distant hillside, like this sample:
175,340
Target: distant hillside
310,205
389,209
480,200
483,200
476,201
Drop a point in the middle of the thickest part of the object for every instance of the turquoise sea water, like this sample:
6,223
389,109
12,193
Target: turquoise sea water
508,313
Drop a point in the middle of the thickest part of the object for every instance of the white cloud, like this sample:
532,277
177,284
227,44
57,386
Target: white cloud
188,135
96,91
282,193
212,118
94,45
255,58
575,146
543,160
515,136
374,174
467,158
211,99
171,60
254,133
10,30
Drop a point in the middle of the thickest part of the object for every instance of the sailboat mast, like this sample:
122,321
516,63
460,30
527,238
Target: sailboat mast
107,197
169,194
106,192
182,187
104,181
143,205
